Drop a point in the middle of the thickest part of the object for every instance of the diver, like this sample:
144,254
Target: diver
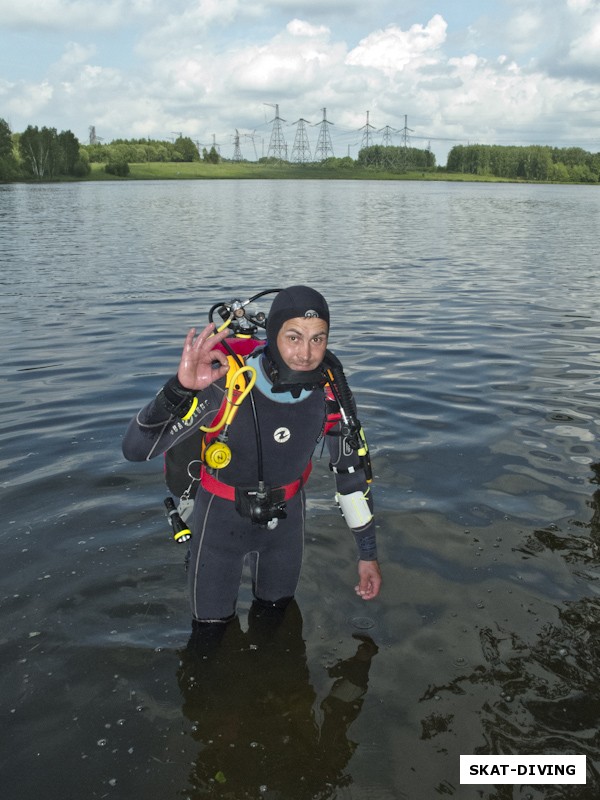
250,414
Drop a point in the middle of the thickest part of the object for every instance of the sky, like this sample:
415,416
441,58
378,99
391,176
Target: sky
431,74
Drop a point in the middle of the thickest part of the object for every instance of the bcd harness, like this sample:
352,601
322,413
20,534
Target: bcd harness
215,453
266,505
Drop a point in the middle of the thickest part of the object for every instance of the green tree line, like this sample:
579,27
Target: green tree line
46,154
396,159
40,153
141,151
535,162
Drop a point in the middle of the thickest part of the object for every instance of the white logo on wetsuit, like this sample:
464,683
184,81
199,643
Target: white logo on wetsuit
282,435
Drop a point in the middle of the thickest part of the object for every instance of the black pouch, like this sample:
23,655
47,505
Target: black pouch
260,507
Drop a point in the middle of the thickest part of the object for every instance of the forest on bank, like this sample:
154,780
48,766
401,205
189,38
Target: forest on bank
45,154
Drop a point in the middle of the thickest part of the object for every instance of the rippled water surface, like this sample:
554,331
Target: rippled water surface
467,320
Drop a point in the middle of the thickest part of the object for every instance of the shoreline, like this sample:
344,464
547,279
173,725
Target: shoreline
199,170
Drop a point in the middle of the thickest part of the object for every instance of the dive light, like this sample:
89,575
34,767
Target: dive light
181,533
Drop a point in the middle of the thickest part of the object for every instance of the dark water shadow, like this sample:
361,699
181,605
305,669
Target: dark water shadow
254,712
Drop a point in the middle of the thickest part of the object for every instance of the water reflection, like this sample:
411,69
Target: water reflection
580,545
253,710
536,691
467,316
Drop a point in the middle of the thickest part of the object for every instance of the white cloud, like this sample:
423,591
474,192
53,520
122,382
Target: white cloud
75,55
586,48
392,50
298,27
28,101
178,31
62,14
204,68
525,28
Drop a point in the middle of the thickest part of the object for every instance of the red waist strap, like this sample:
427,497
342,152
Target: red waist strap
227,492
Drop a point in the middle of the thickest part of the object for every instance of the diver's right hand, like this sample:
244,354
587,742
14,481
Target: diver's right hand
201,363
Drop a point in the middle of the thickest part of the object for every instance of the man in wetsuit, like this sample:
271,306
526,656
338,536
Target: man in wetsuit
273,436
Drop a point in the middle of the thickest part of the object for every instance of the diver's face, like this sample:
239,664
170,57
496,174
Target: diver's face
302,342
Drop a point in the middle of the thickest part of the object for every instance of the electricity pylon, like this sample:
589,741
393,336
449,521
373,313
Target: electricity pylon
94,138
324,148
405,131
367,135
387,136
252,136
301,148
389,158
277,145
237,152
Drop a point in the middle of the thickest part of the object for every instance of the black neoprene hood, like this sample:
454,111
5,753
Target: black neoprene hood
296,301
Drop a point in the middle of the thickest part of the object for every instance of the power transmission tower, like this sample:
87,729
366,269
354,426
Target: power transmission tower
324,148
301,148
252,136
404,132
367,140
366,129
389,156
387,136
277,145
94,139
237,153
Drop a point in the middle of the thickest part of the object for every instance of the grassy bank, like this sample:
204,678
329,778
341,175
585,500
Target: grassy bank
200,170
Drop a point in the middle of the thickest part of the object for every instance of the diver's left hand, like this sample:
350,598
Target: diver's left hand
370,580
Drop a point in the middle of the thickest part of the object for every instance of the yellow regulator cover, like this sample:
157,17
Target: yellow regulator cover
217,455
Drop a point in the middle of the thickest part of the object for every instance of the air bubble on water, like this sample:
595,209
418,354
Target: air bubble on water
102,742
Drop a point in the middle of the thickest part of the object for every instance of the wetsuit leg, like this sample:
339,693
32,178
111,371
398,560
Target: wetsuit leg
219,546
276,563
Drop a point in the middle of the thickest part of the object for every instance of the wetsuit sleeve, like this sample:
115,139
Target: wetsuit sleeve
350,477
160,425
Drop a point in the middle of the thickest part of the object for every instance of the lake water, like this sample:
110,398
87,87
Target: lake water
467,320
